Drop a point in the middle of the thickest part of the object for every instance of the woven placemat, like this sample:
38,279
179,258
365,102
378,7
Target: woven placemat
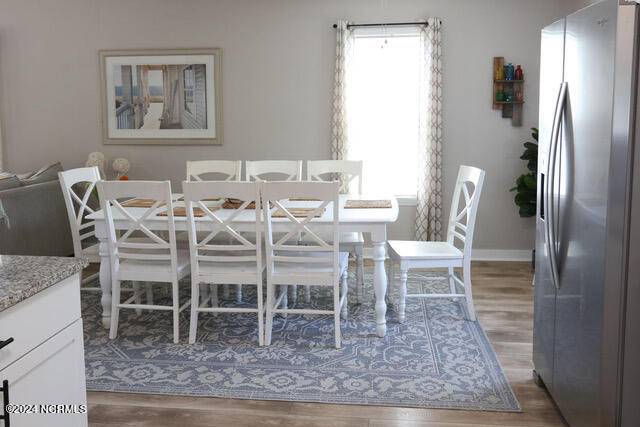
367,204
182,211
203,200
298,213
140,203
235,204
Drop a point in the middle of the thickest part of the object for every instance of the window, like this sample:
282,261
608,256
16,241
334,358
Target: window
383,81
189,78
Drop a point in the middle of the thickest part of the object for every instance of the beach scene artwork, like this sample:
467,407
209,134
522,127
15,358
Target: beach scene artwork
162,98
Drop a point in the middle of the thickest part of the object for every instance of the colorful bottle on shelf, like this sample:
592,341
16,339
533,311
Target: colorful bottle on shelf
518,75
508,97
519,95
499,74
500,96
509,74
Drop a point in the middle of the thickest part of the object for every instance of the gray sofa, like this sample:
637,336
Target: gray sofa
33,219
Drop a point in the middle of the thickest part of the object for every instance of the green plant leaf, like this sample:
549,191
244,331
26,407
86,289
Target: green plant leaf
526,211
530,181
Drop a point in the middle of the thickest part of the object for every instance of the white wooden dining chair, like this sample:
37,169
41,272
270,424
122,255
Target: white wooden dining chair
290,262
156,259
413,254
348,170
228,170
287,170
330,170
234,258
82,229
283,170
215,170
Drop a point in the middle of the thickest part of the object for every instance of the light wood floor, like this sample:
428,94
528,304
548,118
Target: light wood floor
504,300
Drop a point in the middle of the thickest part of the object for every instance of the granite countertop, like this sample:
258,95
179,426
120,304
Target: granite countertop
23,276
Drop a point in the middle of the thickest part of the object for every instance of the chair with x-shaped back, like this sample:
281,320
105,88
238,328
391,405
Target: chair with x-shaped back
78,185
412,254
221,252
290,262
345,171
153,258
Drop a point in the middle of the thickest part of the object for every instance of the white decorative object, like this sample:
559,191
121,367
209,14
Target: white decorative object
121,166
96,159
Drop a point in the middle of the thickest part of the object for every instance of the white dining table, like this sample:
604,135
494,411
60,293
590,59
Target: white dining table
366,220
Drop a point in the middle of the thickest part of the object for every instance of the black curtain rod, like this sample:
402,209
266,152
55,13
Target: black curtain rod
388,24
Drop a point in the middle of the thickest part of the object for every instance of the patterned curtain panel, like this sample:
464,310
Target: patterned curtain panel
339,134
428,225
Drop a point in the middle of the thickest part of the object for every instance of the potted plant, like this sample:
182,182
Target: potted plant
526,184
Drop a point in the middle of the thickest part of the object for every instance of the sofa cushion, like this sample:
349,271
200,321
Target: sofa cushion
44,174
8,181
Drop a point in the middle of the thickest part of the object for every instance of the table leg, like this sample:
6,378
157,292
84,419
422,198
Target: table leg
380,287
105,282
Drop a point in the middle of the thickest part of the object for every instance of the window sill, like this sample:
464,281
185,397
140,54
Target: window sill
407,201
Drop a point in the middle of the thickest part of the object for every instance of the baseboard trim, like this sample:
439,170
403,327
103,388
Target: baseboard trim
501,255
484,254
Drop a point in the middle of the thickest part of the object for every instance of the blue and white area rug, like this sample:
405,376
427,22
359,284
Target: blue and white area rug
436,359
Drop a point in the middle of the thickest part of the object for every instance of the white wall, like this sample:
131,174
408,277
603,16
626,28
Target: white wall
277,80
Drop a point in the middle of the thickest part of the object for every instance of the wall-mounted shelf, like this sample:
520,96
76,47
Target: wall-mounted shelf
510,109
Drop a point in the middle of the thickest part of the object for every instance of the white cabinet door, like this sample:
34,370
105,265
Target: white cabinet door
50,374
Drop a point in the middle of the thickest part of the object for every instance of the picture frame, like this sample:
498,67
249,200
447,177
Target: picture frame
180,102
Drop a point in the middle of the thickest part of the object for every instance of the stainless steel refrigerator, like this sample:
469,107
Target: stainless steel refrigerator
586,343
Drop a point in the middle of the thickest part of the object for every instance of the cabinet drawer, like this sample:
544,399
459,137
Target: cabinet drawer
36,319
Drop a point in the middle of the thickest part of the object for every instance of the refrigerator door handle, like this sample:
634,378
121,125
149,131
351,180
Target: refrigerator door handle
550,232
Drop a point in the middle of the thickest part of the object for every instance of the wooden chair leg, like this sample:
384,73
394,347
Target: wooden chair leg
359,273
391,284
260,315
115,310
285,300
195,302
214,296
270,303
452,283
176,311
137,294
467,291
204,294
307,294
336,313
345,291
149,293
403,295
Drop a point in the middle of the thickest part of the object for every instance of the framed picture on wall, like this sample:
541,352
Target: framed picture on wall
161,96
